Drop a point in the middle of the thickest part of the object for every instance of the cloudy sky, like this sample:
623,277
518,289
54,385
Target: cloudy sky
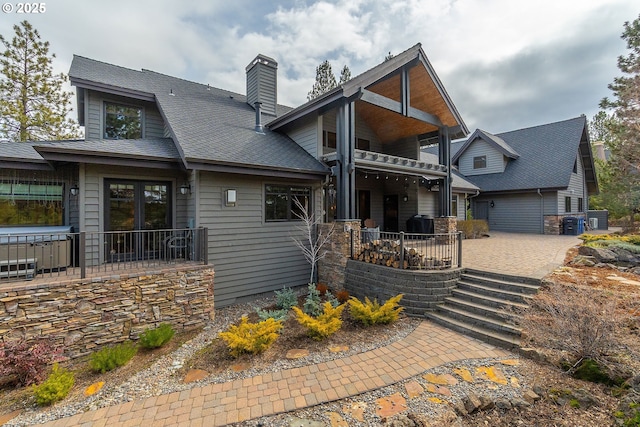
506,64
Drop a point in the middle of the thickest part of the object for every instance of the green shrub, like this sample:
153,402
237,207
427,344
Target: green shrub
157,337
286,298
55,388
251,338
278,315
312,304
113,357
372,313
332,300
326,324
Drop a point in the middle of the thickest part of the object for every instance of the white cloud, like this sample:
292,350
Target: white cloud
478,47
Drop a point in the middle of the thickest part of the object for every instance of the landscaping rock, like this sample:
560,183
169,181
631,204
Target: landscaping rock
585,398
503,404
601,254
584,261
531,396
486,402
460,409
471,402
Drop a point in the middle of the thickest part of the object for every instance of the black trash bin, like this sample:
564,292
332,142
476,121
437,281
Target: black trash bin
570,226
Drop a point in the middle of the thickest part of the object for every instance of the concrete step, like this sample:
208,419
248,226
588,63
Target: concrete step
490,291
504,277
484,299
509,341
487,322
501,283
500,311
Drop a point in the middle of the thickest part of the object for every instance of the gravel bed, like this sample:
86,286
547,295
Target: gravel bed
161,377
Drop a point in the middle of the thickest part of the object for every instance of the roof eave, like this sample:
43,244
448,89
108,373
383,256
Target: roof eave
114,90
258,170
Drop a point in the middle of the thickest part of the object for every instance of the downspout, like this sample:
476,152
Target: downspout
541,210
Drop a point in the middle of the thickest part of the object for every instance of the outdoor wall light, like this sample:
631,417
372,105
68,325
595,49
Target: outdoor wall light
185,189
74,190
230,197
492,204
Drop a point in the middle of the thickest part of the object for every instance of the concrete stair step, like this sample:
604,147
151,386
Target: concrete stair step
487,322
501,283
503,277
509,341
498,312
485,300
492,292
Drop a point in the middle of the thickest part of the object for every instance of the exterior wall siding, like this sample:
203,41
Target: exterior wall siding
408,147
427,202
495,159
517,213
577,188
250,256
306,135
153,125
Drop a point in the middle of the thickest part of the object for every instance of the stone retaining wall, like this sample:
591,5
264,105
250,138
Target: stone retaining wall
84,314
423,289
331,268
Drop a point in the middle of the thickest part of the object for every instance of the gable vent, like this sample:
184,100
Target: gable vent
262,84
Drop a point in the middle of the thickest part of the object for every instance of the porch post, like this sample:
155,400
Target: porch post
345,173
444,156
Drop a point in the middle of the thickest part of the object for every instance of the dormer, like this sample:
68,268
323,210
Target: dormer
483,153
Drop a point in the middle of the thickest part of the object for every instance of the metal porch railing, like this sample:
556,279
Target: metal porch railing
27,256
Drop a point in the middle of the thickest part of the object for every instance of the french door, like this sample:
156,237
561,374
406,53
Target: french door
133,210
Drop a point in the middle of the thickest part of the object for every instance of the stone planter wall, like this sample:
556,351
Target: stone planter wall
84,315
423,290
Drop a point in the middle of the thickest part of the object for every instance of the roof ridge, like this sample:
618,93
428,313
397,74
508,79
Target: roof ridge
541,125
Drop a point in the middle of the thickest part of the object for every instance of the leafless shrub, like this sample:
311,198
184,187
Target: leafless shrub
578,321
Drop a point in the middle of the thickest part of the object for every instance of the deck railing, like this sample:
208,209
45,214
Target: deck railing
28,256
407,250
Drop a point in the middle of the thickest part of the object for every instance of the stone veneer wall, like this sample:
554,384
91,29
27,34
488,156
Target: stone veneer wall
85,314
331,269
553,224
423,290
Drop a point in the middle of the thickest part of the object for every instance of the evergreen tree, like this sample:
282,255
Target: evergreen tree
345,75
33,105
325,80
624,146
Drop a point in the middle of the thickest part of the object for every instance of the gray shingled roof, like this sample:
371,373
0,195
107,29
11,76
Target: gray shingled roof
209,125
20,152
547,155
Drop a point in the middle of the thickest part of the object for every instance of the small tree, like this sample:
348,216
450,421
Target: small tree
33,105
312,245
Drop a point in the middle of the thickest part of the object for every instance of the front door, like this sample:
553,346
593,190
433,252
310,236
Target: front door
391,213
133,207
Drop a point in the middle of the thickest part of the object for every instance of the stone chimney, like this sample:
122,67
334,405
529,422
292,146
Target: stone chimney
262,84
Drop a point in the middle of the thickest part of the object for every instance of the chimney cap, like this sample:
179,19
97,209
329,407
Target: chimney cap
262,59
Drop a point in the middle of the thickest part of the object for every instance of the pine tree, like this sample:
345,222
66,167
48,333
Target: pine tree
325,80
625,128
345,75
33,105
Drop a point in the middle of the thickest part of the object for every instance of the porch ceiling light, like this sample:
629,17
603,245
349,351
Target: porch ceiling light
185,189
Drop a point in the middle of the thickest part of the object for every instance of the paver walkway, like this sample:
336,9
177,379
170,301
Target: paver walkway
428,346
516,254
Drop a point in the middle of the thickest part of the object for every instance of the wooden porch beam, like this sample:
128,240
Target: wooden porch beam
397,107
